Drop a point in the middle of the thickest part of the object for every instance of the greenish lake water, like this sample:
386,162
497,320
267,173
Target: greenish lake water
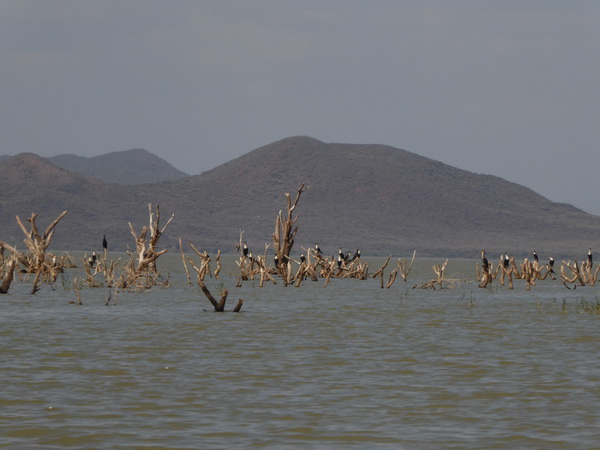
350,365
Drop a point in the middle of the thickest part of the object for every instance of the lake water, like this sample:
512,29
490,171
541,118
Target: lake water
350,365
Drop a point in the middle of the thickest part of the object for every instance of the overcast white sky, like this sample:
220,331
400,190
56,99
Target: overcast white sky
507,87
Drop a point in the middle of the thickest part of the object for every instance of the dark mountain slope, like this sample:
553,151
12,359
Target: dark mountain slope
136,166
378,198
381,199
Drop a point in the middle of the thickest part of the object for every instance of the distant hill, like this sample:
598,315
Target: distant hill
380,199
136,166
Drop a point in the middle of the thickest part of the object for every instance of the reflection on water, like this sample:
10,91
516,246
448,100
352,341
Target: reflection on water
349,365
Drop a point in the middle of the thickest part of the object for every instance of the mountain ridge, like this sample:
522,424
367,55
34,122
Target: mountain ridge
375,197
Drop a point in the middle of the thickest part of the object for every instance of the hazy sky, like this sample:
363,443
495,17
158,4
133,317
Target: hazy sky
509,88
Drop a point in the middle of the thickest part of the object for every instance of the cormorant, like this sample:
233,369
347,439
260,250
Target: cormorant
92,259
318,249
535,256
276,259
506,261
104,243
484,262
245,249
356,255
590,256
339,260
551,264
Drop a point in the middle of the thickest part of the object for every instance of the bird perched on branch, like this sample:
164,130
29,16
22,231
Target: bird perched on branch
104,243
484,262
245,249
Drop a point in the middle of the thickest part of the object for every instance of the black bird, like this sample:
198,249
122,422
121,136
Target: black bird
356,255
104,243
276,259
506,260
318,249
302,258
341,253
339,260
484,262
535,256
245,249
590,256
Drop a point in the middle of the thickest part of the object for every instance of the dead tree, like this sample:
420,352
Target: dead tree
379,273
439,270
37,261
285,232
141,269
219,305
204,268
403,268
576,274
8,269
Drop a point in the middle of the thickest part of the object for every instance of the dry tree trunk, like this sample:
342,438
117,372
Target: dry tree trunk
204,263
187,271
218,269
37,244
146,253
218,305
379,273
576,274
9,269
439,271
285,232
403,267
485,277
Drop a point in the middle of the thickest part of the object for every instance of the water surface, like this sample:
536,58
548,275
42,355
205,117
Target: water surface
350,365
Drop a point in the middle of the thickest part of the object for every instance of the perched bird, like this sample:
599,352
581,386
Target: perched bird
318,249
590,256
245,249
339,261
551,264
506,260
276,260
356,255
535,256
484,262
104,243
341,253
302,258
92,259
